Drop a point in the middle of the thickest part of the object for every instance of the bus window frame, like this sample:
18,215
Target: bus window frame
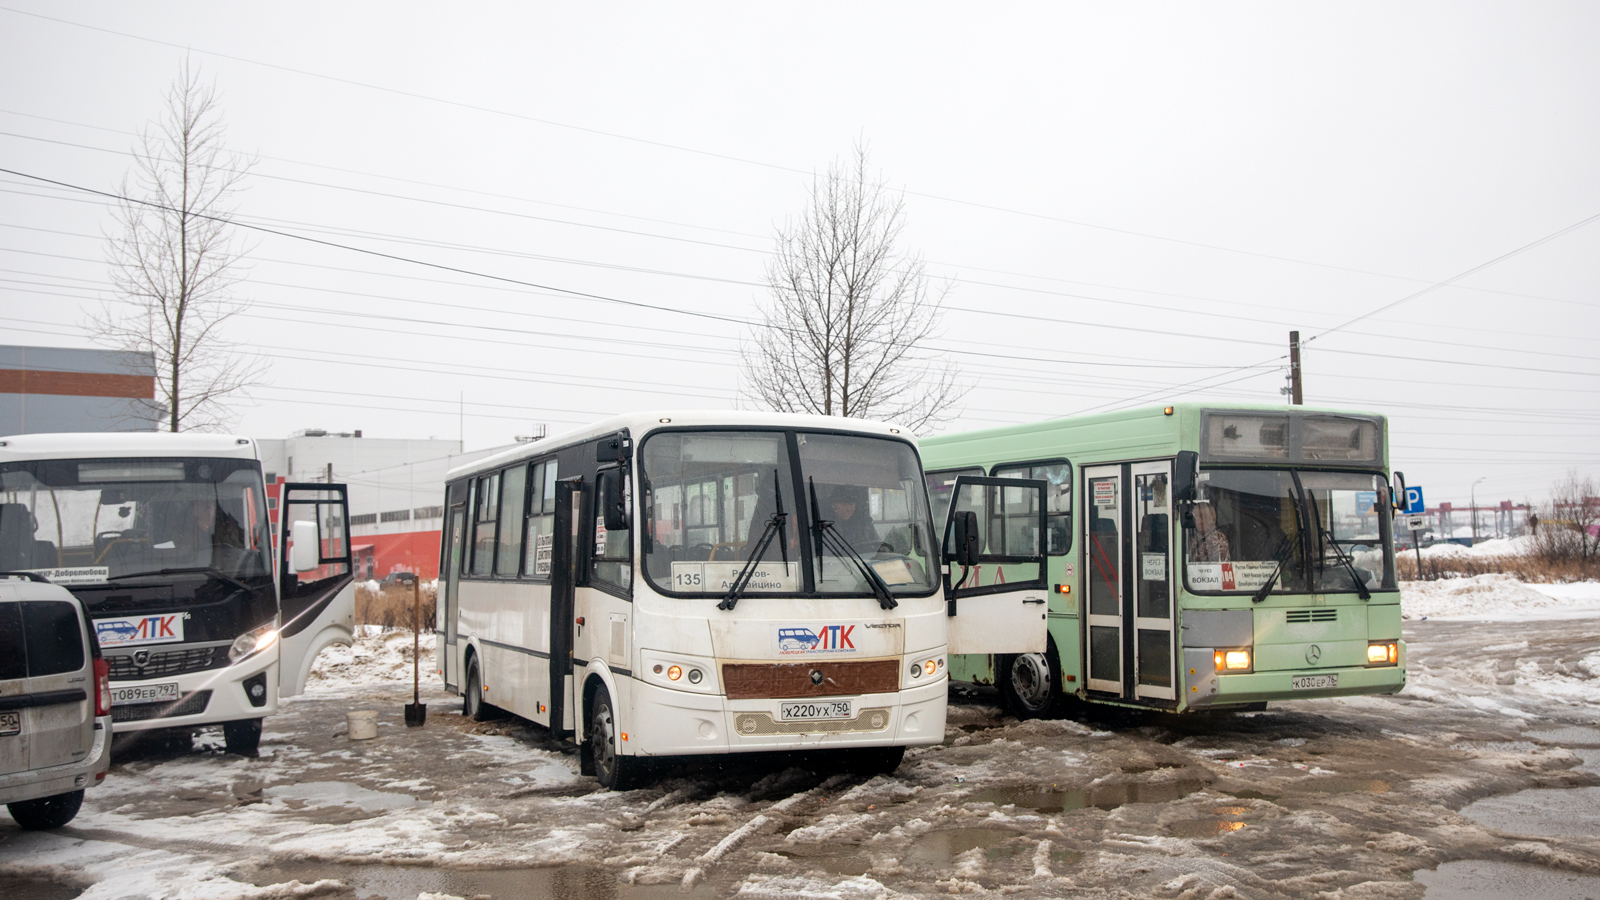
799,517
1384,523
996,470
592,519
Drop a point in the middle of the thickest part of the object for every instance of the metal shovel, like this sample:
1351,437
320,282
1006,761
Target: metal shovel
416,710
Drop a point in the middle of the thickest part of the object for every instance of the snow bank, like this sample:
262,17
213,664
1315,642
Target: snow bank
1497,597
379,658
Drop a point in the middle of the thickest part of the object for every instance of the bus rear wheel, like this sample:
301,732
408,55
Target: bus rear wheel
1031,684
615,771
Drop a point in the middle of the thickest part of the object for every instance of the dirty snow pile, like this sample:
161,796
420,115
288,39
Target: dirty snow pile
1516,546
377,658
1498,596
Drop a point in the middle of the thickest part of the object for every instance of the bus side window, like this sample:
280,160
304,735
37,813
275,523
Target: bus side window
1058,498
541,527
486,510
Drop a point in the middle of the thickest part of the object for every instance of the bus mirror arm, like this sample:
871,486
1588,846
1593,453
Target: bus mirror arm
615,506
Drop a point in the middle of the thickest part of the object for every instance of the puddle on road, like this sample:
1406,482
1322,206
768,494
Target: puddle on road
1342,785
339,793
376,882
1542,812
1106,797
1572,734
1475,879
1224,820
30,889
936,850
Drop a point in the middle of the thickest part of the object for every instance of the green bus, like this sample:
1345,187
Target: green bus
1201,557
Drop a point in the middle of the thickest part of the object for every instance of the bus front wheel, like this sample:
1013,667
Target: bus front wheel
615,771
472,705
1031,684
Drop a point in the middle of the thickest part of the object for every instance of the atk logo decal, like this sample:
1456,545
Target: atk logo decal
162,629
823,639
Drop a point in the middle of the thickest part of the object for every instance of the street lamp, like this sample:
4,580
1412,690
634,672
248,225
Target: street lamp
1474,512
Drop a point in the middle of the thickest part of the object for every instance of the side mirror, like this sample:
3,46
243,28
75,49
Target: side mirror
964,527
1397,498
306,552
613,501
1184,473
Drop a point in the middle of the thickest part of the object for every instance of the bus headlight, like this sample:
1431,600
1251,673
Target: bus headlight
252,642
1232,661
1383,653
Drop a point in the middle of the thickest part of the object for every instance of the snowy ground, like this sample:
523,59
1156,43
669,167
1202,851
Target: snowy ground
1337,799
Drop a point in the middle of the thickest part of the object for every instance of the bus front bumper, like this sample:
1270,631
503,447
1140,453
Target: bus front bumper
204,698
680,723
1205,688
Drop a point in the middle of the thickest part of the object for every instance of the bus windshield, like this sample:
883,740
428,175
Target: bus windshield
710,496
1317,532
92,521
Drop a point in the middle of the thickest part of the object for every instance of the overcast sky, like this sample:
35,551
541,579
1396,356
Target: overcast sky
1132,203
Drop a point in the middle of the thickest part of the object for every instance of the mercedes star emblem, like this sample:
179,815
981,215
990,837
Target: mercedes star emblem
1313,653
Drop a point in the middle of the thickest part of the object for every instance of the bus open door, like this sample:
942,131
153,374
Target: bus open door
994,572
316,584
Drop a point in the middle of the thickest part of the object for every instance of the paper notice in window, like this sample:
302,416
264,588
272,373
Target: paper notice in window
893,571
1153,566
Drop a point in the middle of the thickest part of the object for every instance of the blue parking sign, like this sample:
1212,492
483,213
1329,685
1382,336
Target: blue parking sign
1414,502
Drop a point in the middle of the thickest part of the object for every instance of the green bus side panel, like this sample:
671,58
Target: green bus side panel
977,668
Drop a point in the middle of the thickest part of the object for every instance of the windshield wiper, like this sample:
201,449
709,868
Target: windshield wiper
189,570
1326,540
777,525
1284,546
841,547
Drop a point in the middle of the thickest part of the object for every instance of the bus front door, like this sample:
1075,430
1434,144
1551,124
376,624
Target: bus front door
1127,571
996,599
563,595
449,605
316,606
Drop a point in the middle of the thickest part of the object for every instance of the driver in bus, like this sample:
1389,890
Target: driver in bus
1206,542
851,518
196,530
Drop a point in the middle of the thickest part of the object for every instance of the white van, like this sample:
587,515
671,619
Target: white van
55,704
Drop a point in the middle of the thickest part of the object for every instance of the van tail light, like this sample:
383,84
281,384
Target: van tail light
102,687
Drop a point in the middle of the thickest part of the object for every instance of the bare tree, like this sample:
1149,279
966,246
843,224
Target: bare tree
845,330
1569,524
175,263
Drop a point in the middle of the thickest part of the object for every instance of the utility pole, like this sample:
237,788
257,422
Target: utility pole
1295,396
329,479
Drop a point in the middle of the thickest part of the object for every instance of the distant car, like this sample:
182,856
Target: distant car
400,578
55,704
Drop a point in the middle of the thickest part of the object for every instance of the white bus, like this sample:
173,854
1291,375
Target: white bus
684,583
166,540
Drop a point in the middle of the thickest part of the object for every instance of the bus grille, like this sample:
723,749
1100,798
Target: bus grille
1311,615
755,724
168,663
193,704
768,681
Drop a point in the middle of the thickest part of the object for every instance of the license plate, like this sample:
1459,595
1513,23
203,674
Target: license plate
1314,682
144,693
814,711
10,723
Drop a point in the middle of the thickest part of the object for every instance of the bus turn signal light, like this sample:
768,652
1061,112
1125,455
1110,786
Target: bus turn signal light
674,673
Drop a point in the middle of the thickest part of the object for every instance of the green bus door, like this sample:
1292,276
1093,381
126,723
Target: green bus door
1128,578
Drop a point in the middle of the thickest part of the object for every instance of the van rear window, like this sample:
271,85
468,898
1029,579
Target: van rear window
13,663
53,637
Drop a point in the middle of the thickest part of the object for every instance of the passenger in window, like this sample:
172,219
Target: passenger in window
1206,542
